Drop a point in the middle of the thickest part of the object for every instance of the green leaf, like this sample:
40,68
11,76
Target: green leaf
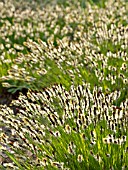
12,157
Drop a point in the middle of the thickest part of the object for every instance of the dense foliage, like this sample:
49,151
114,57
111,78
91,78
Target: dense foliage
72,58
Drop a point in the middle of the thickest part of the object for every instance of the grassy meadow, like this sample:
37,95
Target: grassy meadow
65,62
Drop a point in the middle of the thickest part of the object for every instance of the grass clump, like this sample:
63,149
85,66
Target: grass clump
72,59
68,129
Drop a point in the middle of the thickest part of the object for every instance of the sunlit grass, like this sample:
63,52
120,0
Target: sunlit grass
72,59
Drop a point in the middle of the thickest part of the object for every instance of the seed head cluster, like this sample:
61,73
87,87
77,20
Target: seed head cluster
77,58
58,124
83,42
